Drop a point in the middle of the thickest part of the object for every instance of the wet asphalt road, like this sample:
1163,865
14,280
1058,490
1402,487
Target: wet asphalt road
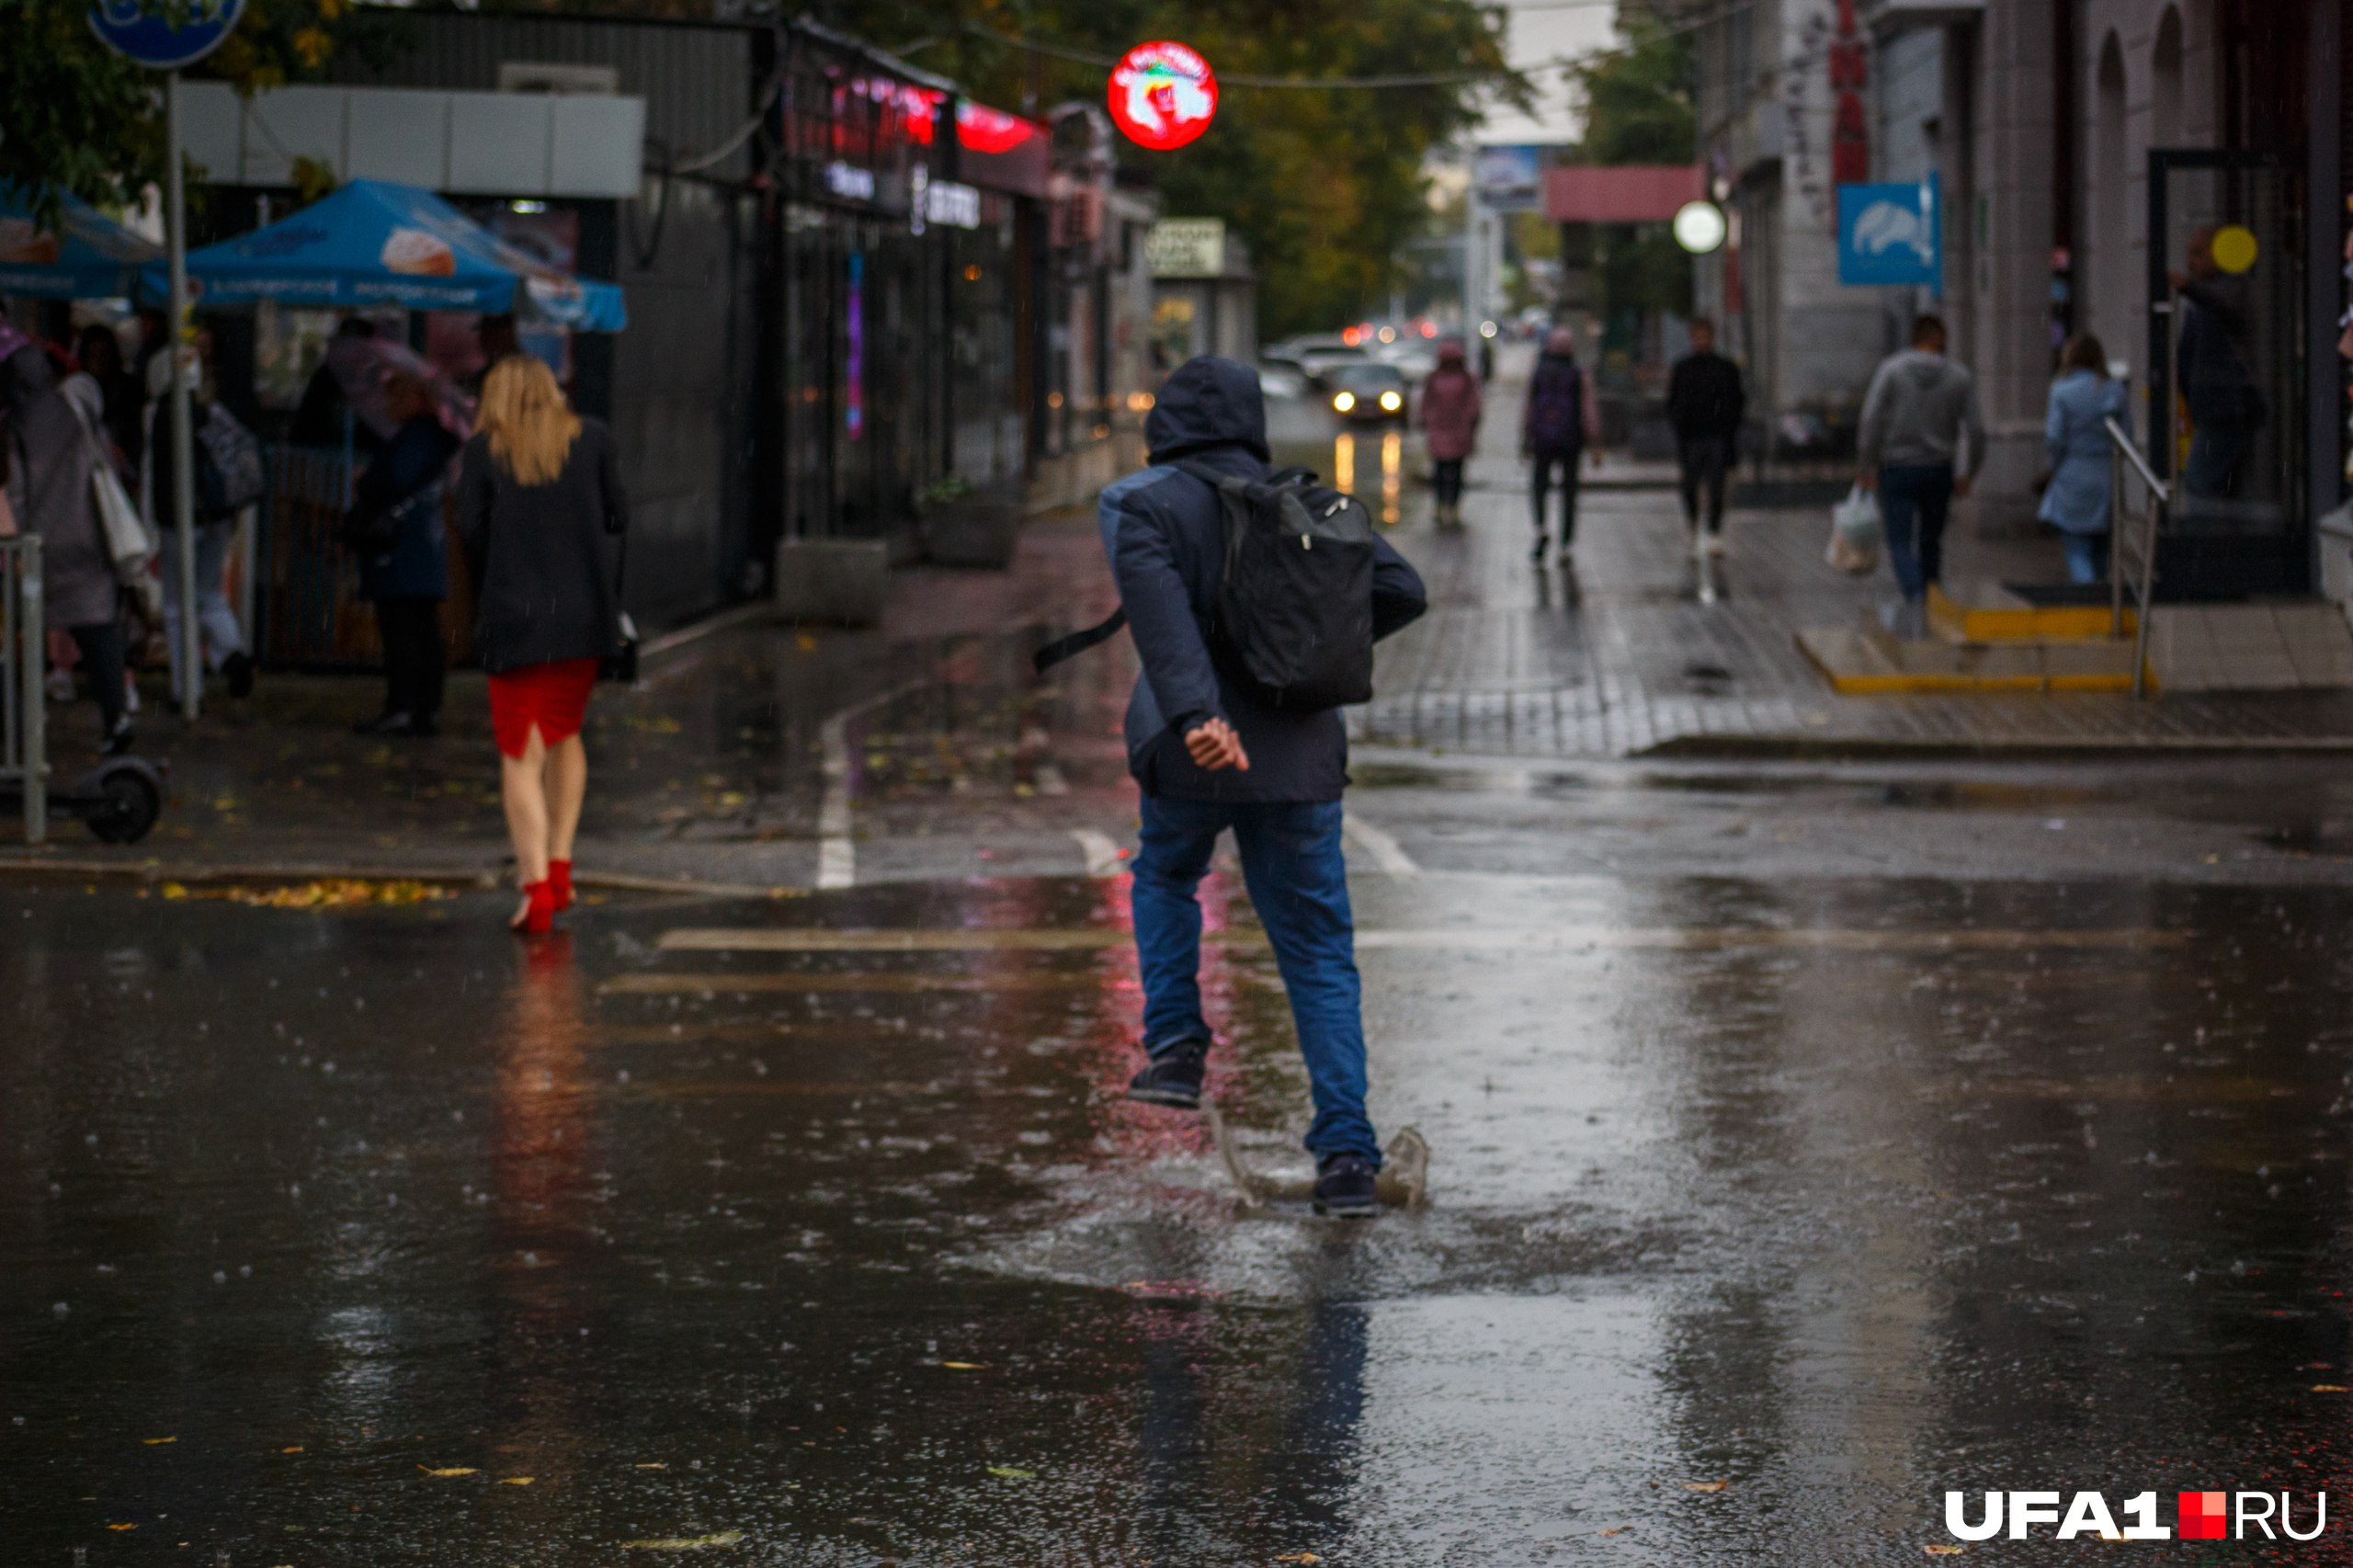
1808,1139
1839,1190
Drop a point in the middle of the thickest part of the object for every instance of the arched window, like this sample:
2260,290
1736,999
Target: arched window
2165,125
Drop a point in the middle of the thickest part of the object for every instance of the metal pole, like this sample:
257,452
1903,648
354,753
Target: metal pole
191,648
1471,267
32,647
2115,542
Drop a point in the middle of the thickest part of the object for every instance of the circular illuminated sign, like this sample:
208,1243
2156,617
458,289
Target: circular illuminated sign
2234,248
1163,95
1699,226
137,31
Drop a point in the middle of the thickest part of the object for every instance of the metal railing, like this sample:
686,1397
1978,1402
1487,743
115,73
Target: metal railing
2122,454
24,751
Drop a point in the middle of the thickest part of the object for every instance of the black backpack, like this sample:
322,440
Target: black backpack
1293,615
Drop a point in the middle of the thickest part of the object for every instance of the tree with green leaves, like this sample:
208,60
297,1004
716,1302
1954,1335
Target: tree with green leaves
1638,110
1324,184
77,118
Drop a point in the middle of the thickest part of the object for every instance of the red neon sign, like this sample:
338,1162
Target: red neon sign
1163,95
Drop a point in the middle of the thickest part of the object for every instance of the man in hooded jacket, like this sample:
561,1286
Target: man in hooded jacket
1208,755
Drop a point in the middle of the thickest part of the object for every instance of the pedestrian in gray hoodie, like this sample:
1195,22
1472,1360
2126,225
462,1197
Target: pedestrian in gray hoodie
1919,404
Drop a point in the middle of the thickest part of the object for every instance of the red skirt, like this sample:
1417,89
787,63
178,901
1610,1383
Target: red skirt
554,697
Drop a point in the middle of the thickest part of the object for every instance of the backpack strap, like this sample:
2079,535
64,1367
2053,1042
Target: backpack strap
1078,642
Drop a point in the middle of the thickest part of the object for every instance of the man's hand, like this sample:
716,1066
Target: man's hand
1867,480
1215,747
1961,487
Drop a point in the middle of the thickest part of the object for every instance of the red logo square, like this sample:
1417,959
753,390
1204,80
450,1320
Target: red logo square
2203,1515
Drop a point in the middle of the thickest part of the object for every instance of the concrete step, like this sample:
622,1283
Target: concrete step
1984,611
1857,663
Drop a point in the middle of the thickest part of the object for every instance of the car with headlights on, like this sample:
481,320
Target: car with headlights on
1370,392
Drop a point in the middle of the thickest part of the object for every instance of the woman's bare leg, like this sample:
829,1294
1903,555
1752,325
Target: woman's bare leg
522,786
567,786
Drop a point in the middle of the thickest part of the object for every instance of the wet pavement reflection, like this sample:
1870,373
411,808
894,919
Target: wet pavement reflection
371,1237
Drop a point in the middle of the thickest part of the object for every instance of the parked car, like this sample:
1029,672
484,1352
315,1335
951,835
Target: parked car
1367,391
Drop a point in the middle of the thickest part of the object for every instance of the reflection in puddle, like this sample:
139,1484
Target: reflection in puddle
1344,462
1392,464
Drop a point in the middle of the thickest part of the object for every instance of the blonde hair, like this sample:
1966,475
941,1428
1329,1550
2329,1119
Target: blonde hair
529,424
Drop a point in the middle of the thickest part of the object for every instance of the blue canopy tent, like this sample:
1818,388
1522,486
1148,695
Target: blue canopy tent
373,243
83,256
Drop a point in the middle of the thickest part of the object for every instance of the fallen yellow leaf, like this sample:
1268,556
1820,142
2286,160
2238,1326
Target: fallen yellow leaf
453,1469
684,1542
295,1449
1944,1548
122,1527
1705,1486
516,1481
174,890
1619,1529
158,1442
965,1366
1010,1474
656,1466
1299,1557
2331,1388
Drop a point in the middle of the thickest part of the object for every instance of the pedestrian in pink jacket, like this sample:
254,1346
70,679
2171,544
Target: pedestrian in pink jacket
1450,419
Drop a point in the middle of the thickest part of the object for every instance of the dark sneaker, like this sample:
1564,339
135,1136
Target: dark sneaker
1543,547
239,668
116,740
1343,1188
1173,1076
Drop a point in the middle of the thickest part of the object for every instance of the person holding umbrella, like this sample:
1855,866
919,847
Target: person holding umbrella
397,533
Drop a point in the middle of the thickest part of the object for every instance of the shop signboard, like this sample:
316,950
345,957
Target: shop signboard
1163,95
1186,247
1891,234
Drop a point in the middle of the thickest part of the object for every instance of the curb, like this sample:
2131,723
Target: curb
202,874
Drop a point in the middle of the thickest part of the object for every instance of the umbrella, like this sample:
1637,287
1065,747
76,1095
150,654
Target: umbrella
373,243
364,367
85,256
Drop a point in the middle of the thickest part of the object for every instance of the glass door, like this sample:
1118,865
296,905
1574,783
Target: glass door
2226,372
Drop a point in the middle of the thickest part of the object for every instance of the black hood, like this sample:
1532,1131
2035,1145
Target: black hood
1206,403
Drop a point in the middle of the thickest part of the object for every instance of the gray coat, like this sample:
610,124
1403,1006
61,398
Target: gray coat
49,488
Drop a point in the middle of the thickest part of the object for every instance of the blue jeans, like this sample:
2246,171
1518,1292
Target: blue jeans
1299,883
2086,557
1914,499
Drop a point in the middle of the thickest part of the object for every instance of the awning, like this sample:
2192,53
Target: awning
1633,193
84,256
373,243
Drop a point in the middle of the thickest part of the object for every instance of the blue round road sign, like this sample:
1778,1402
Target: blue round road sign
136,29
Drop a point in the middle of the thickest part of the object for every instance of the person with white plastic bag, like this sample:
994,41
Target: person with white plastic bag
1855,533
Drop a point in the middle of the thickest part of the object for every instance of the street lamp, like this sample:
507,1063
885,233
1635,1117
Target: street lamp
1699,226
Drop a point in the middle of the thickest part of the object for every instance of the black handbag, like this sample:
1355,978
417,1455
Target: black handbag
620,664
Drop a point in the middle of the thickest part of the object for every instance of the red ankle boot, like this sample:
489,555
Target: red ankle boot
537,915
560,879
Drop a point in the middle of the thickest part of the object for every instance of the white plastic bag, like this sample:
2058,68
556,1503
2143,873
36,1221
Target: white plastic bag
1855,532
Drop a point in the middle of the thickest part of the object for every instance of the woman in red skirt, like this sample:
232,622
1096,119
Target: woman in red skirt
540,501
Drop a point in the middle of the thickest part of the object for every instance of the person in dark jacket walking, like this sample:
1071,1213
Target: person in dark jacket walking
1560,420
539,494
407,579
1207,756
1705,402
